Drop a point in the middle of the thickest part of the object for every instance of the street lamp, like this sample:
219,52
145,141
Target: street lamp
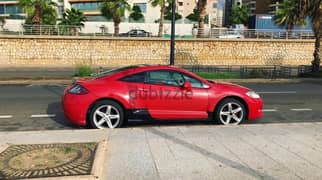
173,24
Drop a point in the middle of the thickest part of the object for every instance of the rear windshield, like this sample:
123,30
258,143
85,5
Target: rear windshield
113,71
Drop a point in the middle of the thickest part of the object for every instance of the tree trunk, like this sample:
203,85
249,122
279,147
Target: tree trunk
116,27
317,54
160,34
317,29
36,21
289,30
201,20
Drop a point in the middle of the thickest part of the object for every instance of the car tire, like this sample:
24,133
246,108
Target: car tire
106,114
230,111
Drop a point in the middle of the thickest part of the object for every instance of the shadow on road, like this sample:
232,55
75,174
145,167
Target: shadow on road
56,108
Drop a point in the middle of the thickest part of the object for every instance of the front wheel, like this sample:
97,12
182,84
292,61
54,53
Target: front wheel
230,112
106,114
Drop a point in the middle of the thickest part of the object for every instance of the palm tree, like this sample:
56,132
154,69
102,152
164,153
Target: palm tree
73,18
115,9
38,11
313,9
287,15
295,12
240,14
202,11
162,4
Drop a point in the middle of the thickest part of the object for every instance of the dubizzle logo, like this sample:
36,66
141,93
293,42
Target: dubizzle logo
136,93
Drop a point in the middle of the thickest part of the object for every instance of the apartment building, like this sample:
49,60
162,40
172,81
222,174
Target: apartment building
186,7
10,8
91,9
262,6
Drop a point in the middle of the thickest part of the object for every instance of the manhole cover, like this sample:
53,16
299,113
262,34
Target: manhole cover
47,160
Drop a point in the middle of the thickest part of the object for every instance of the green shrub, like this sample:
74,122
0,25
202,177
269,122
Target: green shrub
219,75
83,70
312,75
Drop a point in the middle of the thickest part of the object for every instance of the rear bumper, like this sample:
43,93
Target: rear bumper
75,107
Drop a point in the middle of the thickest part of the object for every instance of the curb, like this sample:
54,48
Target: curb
36,82
69,81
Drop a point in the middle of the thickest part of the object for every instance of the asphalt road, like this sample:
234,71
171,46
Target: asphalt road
36,107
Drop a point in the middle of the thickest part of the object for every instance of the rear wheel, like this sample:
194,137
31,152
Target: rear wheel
230,112
106,114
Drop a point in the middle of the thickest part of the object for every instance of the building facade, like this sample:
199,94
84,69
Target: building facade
262,6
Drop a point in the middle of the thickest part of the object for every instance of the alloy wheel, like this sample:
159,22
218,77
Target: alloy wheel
106,116
231,113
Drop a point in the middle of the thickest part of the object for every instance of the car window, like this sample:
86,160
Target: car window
138,78
165,77
195,83
132,32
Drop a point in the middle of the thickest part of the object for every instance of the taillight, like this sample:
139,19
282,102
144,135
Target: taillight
78,89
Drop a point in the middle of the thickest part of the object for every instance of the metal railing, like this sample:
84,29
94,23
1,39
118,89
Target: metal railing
269,72
152,31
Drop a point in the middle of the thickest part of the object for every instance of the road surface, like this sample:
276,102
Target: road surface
36,107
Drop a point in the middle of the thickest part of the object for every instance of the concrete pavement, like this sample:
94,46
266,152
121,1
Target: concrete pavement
273,151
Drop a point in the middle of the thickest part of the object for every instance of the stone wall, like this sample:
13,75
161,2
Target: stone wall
67,52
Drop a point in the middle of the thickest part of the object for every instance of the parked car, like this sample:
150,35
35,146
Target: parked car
136,33
232,35
159,93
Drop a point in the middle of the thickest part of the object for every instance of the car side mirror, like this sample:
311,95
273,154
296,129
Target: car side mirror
187,85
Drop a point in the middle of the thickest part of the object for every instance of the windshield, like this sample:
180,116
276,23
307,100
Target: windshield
113,71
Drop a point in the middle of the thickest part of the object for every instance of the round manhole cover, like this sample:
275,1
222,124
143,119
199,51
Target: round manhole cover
47,160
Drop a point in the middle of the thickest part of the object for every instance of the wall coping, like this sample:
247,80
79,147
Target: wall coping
149,39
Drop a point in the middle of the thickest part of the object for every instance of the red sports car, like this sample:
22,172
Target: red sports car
156,92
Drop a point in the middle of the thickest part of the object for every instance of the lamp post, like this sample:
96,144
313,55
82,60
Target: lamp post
173,24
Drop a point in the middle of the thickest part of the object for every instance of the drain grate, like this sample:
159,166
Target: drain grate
47,160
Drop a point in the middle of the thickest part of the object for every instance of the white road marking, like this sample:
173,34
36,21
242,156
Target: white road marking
277,92
269,110
304,109
43,115
5,116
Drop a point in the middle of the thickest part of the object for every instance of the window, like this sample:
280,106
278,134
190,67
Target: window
142,6
60,11
214,5
137,78
113,71
1,9
86,6
194,82
180,3
165,77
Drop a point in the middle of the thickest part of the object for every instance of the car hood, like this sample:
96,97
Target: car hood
231,86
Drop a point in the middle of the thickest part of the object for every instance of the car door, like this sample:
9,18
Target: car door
166,99
134,84
133,33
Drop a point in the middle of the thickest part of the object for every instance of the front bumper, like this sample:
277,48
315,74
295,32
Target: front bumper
255,108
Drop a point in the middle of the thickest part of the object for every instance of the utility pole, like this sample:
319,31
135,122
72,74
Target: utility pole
173,30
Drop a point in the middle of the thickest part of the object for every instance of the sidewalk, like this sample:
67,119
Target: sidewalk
272,151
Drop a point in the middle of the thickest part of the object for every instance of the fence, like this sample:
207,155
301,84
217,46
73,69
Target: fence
270,72
129,31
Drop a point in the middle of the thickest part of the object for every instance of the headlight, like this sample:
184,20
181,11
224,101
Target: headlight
78,89
252,94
